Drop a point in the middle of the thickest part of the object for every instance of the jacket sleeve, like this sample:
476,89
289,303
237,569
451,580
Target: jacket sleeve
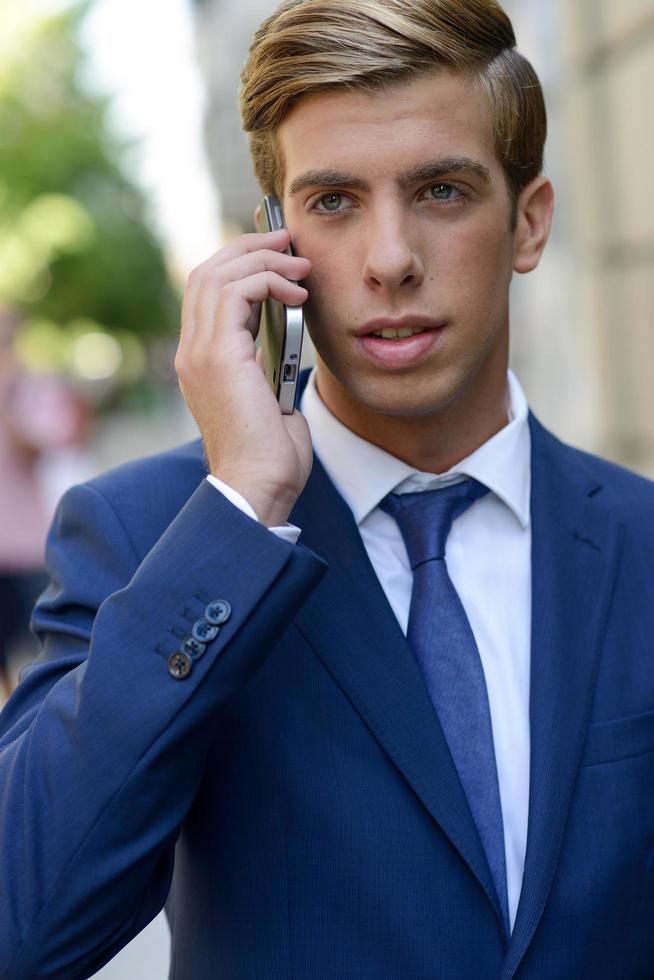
102,749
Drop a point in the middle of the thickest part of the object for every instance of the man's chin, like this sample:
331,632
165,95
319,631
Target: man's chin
409,405
392,396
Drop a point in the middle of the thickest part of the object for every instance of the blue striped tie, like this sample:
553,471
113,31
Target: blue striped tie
444,645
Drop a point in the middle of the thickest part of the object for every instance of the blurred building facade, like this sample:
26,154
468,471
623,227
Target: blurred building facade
224,30
582,325
609,122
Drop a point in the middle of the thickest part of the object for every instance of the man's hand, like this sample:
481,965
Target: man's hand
250,445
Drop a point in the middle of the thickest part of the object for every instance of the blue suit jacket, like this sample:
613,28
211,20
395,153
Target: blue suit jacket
298,777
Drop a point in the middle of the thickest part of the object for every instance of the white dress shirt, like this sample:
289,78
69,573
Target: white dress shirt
488,558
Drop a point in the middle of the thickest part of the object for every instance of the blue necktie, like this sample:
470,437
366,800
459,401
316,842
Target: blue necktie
444,645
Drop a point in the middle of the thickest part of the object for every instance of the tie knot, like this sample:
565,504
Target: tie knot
425,518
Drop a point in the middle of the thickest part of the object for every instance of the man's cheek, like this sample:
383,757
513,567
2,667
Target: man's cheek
321,301
318,281
314,319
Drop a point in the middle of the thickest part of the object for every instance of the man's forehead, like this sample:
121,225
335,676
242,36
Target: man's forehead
406,127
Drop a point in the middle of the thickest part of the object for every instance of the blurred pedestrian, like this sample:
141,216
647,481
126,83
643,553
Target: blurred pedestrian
38,414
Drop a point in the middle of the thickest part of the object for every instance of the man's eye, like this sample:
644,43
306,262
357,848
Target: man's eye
442,192
330,202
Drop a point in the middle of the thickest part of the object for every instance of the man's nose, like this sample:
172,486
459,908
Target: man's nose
392,259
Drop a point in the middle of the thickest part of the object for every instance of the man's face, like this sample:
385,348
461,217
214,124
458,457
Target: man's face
399,201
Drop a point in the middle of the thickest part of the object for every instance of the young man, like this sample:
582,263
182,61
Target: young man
351,757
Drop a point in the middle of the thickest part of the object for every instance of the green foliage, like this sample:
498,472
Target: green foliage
75,237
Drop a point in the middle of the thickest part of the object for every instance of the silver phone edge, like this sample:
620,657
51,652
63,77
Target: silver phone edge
291,358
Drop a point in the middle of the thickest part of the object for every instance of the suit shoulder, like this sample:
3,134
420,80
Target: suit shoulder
628,493
147,493
177,466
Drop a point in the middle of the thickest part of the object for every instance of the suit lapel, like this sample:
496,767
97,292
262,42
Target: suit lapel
575,552
350,625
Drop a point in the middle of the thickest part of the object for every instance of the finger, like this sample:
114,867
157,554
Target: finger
208,296
292,267
259,360
237,298
233,316
244,244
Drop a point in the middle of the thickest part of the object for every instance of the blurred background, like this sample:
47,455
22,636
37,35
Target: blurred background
122,166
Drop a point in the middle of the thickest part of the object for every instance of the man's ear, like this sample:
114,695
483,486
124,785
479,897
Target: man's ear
535,211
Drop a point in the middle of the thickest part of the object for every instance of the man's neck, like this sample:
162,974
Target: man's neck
433,442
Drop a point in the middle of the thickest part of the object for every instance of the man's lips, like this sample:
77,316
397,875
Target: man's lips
408,322
400,353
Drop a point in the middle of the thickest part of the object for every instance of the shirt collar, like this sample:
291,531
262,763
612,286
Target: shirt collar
364,474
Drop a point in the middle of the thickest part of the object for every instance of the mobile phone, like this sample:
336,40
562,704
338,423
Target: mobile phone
281,327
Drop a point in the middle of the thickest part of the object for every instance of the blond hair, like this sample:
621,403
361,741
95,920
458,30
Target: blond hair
309,46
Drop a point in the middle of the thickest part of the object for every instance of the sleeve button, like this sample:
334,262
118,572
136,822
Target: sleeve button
204,632
217,612
194,648
180,665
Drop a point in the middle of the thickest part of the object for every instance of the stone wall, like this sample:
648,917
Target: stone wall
609,122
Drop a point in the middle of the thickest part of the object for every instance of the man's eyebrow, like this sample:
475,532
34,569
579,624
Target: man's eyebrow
327,178
438,169
435,170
